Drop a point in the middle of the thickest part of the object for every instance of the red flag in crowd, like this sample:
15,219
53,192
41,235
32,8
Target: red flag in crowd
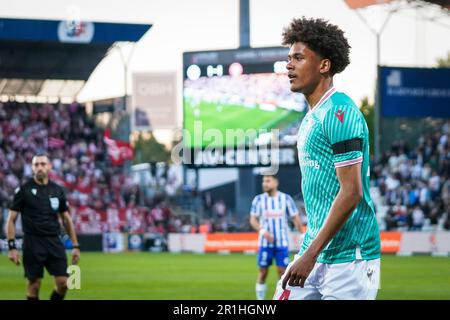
118,151
57,179
55,143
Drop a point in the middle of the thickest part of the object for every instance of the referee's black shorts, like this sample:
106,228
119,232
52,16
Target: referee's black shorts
40,252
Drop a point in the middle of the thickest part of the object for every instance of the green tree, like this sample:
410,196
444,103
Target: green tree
368,110
149,150
444,62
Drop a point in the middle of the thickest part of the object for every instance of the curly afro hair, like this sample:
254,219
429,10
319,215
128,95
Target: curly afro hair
319,35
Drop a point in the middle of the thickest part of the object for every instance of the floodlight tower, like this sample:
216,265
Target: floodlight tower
245,188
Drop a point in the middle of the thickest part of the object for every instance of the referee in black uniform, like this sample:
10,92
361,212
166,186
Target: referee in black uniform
40,203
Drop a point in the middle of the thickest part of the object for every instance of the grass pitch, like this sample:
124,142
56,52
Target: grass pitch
212,276
228,116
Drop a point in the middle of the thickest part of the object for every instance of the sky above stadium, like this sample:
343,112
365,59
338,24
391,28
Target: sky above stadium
408,39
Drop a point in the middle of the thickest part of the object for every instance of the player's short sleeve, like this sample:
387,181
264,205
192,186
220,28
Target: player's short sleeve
256,207
63,204
343,126
291,208
17,203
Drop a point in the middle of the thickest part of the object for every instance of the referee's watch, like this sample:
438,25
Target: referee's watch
12,244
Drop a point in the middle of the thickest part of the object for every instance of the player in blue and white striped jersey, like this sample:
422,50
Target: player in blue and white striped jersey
269,216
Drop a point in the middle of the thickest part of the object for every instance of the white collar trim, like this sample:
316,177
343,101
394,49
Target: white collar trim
325,96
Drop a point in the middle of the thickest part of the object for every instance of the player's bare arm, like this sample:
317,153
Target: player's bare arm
257,227
297,223
347,199
68,224
13,254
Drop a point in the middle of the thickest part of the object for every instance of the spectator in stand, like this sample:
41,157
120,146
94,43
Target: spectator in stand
220,209
418,218
208,203
390,220
416,179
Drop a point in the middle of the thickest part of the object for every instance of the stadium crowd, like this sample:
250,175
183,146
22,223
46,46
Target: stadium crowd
102,197
414,182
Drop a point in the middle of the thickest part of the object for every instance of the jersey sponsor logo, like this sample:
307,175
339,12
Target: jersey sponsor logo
340,115
34,191
274,214
310,163
305,161
54,203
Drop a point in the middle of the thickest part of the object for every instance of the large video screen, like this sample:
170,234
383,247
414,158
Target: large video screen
230,92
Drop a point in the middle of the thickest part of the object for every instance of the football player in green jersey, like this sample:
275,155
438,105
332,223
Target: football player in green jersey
340,254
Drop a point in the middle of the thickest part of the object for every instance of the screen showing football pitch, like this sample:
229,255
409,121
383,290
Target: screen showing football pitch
239,98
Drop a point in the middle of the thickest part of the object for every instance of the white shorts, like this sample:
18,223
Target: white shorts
356,280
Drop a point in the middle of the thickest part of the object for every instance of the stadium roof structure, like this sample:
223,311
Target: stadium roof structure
51,58
356,4
437,11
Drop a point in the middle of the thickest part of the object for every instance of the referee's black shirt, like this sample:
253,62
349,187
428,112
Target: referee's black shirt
39,206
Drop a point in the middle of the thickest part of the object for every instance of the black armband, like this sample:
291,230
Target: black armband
12,244
76,246
347,146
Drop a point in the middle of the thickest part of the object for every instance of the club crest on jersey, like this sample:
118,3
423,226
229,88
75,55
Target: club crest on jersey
340,115
54,203
308,124
34,191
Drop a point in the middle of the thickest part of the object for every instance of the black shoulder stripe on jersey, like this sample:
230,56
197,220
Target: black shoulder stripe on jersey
354,144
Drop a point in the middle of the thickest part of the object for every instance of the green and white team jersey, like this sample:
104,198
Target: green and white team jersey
334,134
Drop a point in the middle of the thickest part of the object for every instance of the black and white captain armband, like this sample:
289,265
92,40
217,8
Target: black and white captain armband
12,244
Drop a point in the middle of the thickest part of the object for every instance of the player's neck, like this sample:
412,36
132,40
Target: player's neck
42,182
272,193
315,97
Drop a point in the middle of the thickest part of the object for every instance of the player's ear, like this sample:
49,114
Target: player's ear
325,66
